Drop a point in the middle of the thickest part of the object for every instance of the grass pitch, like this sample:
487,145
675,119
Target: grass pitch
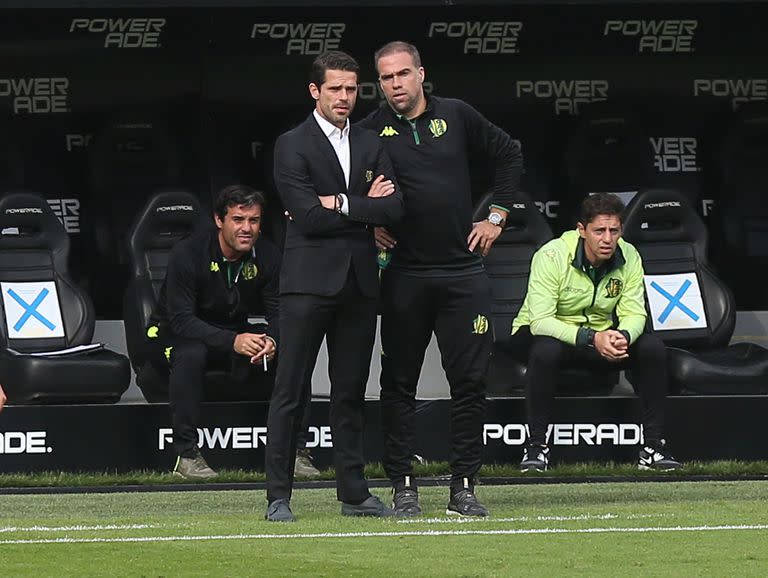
607,529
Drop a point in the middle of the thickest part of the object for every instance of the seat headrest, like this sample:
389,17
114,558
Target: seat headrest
665,216
133,148
28,222
167,216
747,137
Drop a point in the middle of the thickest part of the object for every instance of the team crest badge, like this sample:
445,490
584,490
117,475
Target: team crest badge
480,325
368,176
250,271
438,127
613,287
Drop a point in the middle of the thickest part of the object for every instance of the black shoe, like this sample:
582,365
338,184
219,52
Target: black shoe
464,503
656,457
405,502
279,511
535,458
372,506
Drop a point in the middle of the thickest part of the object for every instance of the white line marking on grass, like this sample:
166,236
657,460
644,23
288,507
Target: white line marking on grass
74,528
387,534
580,517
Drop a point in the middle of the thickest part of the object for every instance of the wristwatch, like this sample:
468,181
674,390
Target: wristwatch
495,218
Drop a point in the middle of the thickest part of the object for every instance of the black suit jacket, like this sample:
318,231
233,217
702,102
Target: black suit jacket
320,244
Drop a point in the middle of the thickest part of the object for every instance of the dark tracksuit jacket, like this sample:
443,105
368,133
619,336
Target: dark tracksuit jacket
432,281
205,297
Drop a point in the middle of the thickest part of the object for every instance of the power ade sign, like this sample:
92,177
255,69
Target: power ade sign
24,442
655,35
242,438
567,95
302,37
37,95
739,90
122,32
480,37
567,434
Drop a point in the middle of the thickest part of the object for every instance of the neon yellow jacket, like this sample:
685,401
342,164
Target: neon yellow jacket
563,301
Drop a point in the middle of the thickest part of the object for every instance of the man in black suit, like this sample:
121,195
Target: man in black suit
336,183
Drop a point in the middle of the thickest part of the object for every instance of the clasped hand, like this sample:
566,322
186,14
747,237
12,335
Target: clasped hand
612,345
254,345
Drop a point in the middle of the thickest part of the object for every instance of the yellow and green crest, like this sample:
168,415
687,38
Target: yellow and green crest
480,325
250,271
438,127
613,287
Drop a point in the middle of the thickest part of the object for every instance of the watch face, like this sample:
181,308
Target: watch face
495,219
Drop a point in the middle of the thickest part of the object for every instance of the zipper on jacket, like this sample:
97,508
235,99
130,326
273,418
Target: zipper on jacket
414,131
594,296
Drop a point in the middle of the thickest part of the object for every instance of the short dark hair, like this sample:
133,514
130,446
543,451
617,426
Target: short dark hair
601,204
393,48
331,60
236,195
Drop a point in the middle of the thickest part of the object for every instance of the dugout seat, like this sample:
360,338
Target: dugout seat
508,266
607,151
672,240
45,311
166,218
11,162
741,207
133,156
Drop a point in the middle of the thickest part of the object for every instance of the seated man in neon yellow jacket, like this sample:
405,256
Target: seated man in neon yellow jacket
585,307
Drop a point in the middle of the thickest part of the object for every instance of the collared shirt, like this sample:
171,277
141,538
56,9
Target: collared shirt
339,139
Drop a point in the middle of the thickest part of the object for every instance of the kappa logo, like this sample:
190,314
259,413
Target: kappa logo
438,127
250,271
613,287
214,267
388,131
480,325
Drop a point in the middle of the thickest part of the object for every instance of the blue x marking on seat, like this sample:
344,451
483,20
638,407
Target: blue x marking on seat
674,301
30,310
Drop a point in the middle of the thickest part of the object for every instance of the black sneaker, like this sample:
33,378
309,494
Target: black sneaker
372,506
405,500
656,457
535,458
279,511
464,503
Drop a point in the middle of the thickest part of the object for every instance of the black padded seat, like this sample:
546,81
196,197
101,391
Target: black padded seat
166,218
134,155
34,249
741,208
673,240
508,266
607,151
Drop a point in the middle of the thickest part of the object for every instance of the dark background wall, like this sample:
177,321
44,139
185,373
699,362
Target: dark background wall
100,106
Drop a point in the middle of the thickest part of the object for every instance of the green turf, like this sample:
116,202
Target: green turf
227,516
730,469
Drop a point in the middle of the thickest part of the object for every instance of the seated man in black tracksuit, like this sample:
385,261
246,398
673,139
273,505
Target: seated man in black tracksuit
215,278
